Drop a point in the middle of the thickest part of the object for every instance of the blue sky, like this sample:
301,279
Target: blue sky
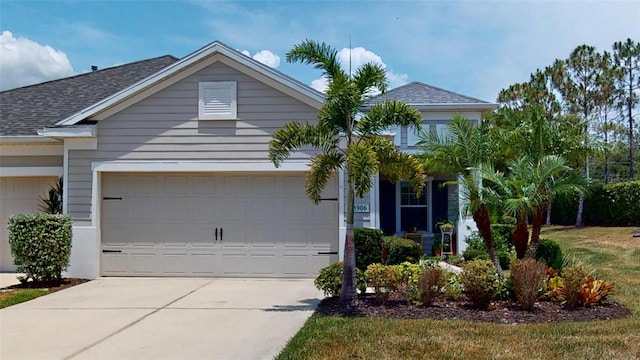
472,47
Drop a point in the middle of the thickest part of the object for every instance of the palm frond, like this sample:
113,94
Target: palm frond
363,165
320,55
294,135
387,114
369,77
321,168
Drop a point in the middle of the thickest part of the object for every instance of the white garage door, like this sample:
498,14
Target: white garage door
18,195
257,225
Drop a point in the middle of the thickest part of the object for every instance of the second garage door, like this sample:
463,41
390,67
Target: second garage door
241,224
18,195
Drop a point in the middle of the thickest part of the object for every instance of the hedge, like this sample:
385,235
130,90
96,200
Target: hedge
368,244
605,205
40,245
400,250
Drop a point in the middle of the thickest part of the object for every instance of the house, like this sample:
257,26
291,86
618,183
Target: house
166,170
394,207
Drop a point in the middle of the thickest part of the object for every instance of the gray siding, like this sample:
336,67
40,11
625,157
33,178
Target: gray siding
165,126
26,161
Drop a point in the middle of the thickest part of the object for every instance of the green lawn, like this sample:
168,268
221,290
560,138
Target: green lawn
8,298
612,251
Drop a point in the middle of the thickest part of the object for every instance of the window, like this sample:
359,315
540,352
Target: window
217,100
408,196
413,210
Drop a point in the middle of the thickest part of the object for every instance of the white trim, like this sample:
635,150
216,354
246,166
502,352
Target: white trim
27,139
15,171
374,209
454,106
342,225
188,61
80,131
197,166
31,149
428,187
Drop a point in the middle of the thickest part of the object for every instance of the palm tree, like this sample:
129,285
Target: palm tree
528,190
347,140
461,154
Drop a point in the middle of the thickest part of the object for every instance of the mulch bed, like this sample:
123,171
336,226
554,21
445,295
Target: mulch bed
52,286
502,312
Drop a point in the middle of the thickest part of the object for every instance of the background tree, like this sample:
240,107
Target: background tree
347,141
578,79
626,57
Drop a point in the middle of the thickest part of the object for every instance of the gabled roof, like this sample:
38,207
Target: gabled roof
190,62
25,110
422,95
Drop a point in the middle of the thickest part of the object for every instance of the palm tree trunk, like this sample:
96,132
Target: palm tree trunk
348,291
580,211
521,237
535,231
548,222
483,221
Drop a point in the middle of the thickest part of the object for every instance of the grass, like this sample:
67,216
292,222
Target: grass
13,297
611,251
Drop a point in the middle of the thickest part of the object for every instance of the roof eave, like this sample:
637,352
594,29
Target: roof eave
69,132
27,139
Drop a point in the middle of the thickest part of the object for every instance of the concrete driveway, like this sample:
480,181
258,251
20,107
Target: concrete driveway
151,318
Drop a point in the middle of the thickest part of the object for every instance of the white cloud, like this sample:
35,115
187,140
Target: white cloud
320,84
25,62
265,56
268,58
356,57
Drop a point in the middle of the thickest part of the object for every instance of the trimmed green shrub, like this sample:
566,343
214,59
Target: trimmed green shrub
40,245
384,279
329,280
480,282
528,276
368,244
550,253
400,250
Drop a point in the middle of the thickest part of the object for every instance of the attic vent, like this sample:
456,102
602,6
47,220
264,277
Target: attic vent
217,100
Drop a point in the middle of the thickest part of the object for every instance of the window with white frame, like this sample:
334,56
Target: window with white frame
217,100
413,209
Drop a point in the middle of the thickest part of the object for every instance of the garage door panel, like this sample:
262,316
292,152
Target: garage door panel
115,264
174,235
203,263
18,195
175,263
143,263
262,237
177,212
202,236
269,227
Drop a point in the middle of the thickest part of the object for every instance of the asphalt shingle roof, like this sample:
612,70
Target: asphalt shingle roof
25,110
417,93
